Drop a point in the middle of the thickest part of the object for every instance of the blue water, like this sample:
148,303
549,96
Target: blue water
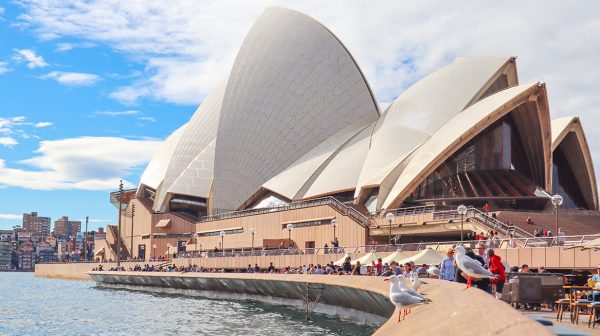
37,306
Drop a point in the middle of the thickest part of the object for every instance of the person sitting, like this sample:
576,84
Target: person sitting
347,266
497,267
378,266
422,269
595,283
392,270
356,269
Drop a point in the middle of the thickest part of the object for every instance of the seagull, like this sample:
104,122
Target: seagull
433,270
416,282
470,266
402,297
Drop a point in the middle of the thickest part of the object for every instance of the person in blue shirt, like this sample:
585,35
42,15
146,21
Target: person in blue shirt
595,294
447,271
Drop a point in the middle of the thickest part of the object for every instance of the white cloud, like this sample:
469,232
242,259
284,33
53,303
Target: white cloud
149,119
73,78
8,141
188,46
64,47
89,163
18,126
42,124
94,220
4,68
117,113
10,216
27,55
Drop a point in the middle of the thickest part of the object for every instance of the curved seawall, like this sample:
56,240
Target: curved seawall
452,312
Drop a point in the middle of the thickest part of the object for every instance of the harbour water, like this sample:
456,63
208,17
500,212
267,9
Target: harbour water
38,306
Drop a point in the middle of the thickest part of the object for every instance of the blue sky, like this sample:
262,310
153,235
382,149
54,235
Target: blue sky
89,88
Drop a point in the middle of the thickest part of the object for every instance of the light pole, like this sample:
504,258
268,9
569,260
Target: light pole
222,234
253,231
289,227
390,217
154,251
557,200
132,216
196,237
334,224
168,250
462,211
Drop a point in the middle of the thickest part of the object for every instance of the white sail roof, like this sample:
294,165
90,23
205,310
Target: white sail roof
157,167
287,93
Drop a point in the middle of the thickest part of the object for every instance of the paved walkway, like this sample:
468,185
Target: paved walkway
566,322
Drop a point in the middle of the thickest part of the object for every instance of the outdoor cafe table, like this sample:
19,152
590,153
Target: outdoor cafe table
572,296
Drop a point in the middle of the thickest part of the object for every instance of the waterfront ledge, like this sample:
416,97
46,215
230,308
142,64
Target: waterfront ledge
452,311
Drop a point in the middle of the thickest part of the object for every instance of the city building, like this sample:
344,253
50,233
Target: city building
45,252
6,248
292,148
25,255
37,224
65,227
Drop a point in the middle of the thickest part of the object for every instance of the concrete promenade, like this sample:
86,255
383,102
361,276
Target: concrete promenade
452,311
549,257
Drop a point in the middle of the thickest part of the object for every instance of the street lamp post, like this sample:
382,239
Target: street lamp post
289,227
557,200
462,211
222,234
154,251
390,217
196,237
253,231
334,224
168,250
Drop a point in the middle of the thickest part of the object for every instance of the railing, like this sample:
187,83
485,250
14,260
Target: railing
409,211
565,241
482,218
441,246
331,201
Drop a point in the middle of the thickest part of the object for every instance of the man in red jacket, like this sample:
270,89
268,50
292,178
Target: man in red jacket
496,267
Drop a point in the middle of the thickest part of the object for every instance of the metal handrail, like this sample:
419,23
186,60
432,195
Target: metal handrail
564,241
567,241
408,211
331,201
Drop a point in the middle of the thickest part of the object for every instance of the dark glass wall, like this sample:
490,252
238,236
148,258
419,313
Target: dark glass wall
564,181
493,164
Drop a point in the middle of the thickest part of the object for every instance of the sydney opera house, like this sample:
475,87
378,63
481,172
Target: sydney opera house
295,136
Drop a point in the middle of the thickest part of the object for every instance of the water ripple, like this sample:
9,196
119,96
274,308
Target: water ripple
36,306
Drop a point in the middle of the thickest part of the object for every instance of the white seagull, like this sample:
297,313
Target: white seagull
470,266
433,270
403,297
416,282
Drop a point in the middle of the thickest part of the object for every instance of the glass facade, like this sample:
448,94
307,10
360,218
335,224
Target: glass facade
189,207
492,165
564,182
